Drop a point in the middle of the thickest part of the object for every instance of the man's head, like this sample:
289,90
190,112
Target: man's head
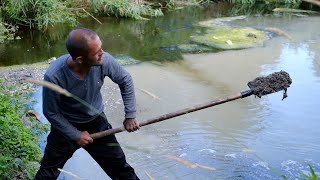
84,46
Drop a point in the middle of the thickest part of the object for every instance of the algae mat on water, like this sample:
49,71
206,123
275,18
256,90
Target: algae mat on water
227,38
194,48
124,59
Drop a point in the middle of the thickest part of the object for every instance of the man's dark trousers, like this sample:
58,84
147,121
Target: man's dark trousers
106,151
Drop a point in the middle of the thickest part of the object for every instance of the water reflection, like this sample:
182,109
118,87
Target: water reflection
286,117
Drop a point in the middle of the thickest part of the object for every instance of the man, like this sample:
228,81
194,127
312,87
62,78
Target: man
82,73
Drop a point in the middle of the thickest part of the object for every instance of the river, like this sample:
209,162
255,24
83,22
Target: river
249,138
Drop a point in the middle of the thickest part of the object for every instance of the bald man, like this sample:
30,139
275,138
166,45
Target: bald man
82,73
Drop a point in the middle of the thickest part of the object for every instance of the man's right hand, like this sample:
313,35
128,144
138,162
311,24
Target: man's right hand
84,139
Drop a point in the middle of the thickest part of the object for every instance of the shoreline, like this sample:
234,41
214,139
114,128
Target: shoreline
12,77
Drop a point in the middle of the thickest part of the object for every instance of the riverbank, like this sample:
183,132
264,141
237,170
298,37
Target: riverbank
12,77
20,132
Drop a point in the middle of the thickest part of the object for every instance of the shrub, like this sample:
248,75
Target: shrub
19,145
6,32
123,8
36,13
267,1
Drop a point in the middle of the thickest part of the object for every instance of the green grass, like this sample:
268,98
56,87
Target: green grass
6,32
19,149
123,8
266,1
38,14
311,176
41,14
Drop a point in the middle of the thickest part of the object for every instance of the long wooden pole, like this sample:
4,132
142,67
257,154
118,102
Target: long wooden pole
256,86
176,113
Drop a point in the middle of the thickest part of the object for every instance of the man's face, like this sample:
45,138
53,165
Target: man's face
95,52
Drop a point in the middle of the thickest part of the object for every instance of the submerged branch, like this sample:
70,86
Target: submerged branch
315,2
149,176
279,32
69,173
150,94
91,16
190,165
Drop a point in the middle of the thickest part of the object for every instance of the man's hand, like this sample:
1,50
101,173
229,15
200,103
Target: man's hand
131,124
84,139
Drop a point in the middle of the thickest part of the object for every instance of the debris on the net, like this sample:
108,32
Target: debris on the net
274,82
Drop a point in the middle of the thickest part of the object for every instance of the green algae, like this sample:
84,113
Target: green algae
124,59
194,48
228,38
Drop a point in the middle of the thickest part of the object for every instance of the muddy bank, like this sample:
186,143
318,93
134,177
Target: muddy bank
12,78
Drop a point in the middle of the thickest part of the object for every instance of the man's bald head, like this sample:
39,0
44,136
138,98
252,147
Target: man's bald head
77,41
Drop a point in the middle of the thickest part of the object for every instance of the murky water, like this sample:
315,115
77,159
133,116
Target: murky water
283,134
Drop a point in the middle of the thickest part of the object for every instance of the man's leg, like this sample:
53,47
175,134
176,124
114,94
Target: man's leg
58,150
109,155
107,152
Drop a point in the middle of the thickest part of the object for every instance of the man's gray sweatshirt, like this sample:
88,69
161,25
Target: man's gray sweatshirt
61,111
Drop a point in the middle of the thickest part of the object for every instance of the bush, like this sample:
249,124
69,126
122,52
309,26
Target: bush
267,1
6,32
19,145
36,13
123,8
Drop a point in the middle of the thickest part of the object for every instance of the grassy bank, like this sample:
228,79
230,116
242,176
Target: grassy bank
267,1
19,149
39,14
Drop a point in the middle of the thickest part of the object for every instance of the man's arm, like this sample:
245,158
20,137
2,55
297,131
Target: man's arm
124,80
51,103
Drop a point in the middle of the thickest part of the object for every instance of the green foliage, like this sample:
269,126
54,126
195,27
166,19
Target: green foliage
266,1
243,1
19,150
123,8
177,4
284,1
36,13
258,8
312,175
6,32
170,4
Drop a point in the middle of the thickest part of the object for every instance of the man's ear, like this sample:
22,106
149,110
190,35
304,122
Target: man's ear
79,60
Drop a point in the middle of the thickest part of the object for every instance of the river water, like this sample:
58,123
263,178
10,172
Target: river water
248,138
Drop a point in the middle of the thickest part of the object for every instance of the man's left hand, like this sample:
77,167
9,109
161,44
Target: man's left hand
131,124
